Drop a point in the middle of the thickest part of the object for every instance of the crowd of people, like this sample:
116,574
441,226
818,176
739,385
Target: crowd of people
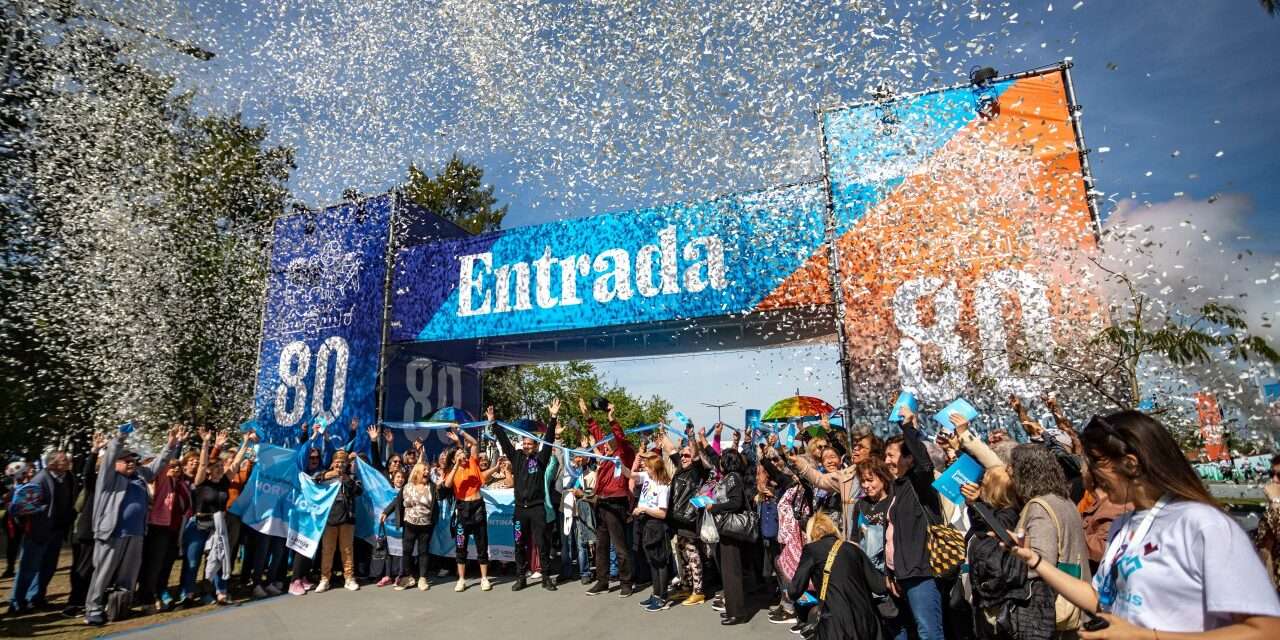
1098,531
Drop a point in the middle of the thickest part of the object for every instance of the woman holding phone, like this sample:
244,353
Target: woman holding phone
1175,567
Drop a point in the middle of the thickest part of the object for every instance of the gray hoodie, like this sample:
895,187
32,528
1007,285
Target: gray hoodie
109,492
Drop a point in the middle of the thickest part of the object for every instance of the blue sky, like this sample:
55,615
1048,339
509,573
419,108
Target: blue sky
1179,101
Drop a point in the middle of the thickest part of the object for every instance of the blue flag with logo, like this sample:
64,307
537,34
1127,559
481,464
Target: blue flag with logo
281,501
500,505
378,493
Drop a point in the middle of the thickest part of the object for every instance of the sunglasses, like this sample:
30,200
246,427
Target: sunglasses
1099,423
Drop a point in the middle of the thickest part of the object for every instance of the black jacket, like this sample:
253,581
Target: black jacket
915,507
681,513
59,512
529,471
735,493
848,612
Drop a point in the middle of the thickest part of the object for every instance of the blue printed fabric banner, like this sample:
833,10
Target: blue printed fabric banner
729,255
281,501
322,320
500,507
377,495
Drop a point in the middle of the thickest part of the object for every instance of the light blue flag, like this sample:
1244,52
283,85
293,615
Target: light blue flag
500,507
281,501
378,493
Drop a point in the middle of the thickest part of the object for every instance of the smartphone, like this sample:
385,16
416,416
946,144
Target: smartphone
1095,623
988,516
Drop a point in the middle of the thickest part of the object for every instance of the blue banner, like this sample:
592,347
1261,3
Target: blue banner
281,501
730,255
377,495
500,507
322,320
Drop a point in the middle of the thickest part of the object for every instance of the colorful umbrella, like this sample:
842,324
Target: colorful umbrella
797,408
451,414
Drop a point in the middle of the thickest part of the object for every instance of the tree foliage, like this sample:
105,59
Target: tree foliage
134,236
524,391
458,194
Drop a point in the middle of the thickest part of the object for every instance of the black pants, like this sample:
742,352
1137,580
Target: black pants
531,529
735,598
81,572
159,552
417,549
471,521
301,566
611,529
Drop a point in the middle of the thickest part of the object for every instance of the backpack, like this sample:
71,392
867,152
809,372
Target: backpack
27,499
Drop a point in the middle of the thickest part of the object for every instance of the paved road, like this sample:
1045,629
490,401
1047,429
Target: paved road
532,614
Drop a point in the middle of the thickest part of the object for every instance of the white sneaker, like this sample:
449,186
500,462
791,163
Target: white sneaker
485,585
259,592
351,585
461,586
274,590
423,585
442,573
535,576
323,586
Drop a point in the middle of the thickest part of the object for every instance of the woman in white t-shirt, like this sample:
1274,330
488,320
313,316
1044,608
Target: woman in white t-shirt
1175,567
654,487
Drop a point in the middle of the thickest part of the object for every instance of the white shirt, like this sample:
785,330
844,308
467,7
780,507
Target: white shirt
1193,570
652,494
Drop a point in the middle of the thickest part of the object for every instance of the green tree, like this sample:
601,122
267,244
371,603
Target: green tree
458,194
526,390
134,238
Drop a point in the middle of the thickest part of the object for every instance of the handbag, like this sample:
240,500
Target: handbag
380,543
743,526
1066,616
946,549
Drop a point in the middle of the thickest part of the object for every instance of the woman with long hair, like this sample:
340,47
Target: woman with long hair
209,499
653,486
1175,567
843,580
732,552
470,518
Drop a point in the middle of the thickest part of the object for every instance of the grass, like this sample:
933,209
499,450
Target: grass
52,624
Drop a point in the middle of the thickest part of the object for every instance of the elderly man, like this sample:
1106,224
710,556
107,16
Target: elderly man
119,519
46,529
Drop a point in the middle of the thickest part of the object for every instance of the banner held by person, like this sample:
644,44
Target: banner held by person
281,501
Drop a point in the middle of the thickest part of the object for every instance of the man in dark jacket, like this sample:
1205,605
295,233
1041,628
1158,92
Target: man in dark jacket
46,529
529,466
915,506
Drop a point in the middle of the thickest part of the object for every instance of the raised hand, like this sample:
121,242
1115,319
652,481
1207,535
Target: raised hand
251,436
582,406
100,440
372,432
826,421
205,435
418,446
959,422
907,414
388,436
554,407
489,415
221,440
453,436
610,410
970,491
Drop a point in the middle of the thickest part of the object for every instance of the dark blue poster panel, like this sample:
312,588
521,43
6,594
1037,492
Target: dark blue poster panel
322,322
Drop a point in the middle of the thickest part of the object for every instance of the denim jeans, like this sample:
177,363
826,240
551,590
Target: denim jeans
193,540
571,547
926,606
36,565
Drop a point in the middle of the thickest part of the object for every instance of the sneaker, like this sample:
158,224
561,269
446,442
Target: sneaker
586,579
518,584
296,588
401,585
717,603
797,628
648,601
535,576
259,592
485,585
351,585
323,586
95,619
423,584
694,599
782,616
386,580
625,591
72,612
658,604
274,589
461,586
307,584
598,589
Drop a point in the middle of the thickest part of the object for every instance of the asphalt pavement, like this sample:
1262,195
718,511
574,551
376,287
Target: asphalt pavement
531,614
